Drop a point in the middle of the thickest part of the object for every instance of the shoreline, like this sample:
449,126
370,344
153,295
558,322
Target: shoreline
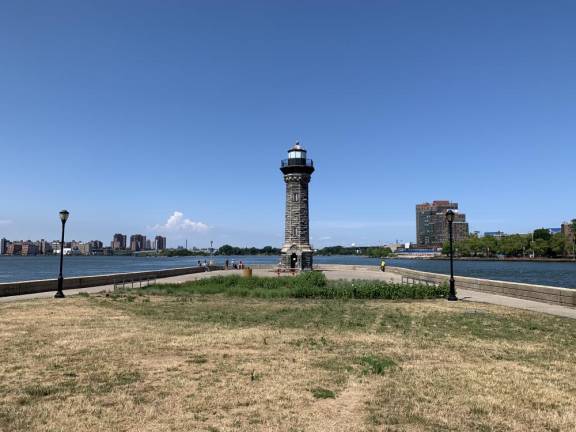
538,298
439,258
556,272
552,260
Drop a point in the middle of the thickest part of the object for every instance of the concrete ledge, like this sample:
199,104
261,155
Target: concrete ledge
539,293
45,285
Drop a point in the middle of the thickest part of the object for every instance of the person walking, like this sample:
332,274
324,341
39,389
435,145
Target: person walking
383,265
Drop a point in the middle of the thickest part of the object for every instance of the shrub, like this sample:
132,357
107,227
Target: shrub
306,285
371,290
322,393
312,278
376,365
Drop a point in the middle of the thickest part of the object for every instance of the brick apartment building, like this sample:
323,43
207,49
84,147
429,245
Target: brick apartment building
432,226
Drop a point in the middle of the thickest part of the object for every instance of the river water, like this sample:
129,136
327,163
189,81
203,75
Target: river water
15,268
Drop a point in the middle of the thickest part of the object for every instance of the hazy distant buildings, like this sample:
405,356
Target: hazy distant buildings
25,248
14,248
44,247
96,244
118,242
160,243
495,234
432,226
137,242
29,248
85,249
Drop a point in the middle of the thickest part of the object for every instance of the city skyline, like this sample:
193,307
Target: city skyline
157,122
123,242
137,243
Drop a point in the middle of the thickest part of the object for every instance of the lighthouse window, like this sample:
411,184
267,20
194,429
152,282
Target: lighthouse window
295,197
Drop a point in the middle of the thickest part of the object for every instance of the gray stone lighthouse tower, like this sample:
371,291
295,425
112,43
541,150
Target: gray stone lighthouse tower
297,252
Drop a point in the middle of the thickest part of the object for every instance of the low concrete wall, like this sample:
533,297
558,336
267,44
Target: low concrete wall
45,285
539,293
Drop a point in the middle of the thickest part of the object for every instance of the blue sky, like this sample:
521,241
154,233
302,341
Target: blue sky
128,113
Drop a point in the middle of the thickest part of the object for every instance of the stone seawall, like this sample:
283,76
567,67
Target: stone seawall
46,285
539,293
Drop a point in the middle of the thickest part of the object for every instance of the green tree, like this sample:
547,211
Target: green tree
379,252
541,247
490,246
559,245
463,248
513,245
475,246
226,250
541,233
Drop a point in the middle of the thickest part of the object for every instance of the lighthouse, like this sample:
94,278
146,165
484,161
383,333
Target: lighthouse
297,169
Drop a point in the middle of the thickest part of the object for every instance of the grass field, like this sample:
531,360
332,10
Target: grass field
313,285
218,363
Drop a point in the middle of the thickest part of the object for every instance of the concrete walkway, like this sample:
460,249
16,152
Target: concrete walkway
110,288
340,273
550,309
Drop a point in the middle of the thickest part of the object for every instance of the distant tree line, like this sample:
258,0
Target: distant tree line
538,244
371,251
233,250
182,252
376,252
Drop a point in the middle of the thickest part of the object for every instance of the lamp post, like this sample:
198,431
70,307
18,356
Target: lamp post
63,217
450,214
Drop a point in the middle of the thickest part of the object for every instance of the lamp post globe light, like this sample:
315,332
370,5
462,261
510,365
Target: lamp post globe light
63,217
450,215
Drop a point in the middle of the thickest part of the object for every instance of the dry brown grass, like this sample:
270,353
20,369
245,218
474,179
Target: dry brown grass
227,364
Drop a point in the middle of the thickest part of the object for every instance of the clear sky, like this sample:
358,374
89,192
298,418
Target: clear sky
172,116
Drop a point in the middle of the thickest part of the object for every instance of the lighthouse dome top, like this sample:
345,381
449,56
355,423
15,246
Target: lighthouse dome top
297,152
297,161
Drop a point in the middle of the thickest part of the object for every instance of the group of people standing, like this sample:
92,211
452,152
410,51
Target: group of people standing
227,265
206,264
232,264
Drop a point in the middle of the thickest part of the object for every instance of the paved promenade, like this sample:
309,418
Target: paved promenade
336,272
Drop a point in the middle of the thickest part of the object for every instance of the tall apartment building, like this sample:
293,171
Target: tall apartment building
96,244
118,242
137,242
85,248
3,245
29,248
44,247
160,243
568,231
14,248
432,226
